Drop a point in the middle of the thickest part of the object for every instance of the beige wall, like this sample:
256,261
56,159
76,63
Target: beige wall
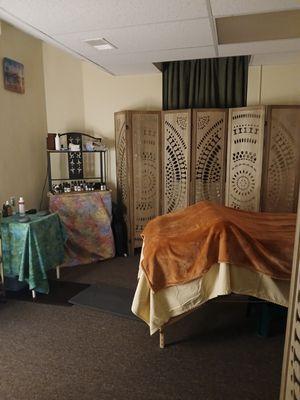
274,84
105,94
22,121
63,90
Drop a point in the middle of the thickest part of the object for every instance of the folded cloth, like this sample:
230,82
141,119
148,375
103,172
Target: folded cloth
182,246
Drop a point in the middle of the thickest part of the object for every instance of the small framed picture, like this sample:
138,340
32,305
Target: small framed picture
13,73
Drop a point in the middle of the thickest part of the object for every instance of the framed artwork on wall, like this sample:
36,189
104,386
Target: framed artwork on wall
13,74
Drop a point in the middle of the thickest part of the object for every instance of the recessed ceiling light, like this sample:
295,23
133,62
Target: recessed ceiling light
100,44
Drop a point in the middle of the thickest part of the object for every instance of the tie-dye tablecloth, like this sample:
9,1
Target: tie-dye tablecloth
87,220
30,249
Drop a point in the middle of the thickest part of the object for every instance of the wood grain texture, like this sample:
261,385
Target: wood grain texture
176,159
123,170
244,157
138,143
146,128
290,375
209,140
282,159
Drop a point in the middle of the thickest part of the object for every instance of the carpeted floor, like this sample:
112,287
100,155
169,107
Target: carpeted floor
71,353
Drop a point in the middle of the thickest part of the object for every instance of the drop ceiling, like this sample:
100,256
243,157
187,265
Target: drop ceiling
144,32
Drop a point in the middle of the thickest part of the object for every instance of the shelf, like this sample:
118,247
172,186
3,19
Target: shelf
75,179
81,192
71,169
79,151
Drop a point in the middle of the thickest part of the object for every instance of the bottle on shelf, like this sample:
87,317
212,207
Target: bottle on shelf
57,142
12,202
4,211
21,205
8,208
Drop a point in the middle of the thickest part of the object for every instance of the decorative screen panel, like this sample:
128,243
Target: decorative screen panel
290,377
244,162
280,190
209,166
75,159
123,193
176,159
146,128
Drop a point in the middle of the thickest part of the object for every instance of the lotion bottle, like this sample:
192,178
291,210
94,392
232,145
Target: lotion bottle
21,205
57,142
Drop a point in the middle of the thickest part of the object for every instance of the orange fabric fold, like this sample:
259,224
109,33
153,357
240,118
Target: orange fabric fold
182,246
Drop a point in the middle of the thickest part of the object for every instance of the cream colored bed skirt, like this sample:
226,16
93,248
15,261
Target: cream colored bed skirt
156,309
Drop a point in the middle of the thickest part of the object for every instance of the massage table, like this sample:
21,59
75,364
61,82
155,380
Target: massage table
160,308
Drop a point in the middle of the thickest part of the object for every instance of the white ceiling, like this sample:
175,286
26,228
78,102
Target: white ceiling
146,31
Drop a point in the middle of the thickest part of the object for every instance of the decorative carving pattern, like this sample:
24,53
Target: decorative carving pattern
121,162
290,383
210,159
176,158
244,166
75,160
280,191
138,169
146,167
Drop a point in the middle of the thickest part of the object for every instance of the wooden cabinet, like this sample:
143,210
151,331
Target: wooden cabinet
138,145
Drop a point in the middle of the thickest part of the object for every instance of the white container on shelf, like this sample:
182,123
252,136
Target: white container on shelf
21,205
57,142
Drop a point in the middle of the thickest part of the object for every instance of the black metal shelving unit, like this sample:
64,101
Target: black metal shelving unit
102,167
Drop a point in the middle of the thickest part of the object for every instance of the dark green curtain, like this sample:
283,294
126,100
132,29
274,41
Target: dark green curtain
212,82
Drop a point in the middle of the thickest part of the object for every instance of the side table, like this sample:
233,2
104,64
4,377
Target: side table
86,217
30,249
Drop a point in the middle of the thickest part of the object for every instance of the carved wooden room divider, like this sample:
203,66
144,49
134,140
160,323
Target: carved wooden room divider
247,155
138,163
208,168
176,159
281,159
290,375
263,158
244,157
193,157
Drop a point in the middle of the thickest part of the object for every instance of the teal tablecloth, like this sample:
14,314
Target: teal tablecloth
31,249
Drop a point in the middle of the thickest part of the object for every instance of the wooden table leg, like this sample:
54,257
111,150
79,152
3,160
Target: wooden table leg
161,339
1,272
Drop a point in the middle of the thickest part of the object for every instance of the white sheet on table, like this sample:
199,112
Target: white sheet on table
157,308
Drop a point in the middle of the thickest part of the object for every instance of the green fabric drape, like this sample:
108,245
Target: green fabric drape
31,249
212,82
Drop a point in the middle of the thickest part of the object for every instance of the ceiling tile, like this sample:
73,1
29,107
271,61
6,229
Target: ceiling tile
66,16
171,35
236,7
270,46
144,31
132,69
276,58
258,27
157,56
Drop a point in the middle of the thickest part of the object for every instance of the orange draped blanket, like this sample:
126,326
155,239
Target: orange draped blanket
182,246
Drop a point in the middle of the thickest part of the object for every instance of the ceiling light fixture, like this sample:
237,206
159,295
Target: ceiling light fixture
100,44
